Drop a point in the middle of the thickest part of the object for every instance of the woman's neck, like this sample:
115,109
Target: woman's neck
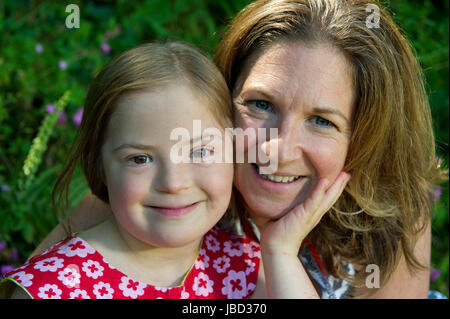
158,266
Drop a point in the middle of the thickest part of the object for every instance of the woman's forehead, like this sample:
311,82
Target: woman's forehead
289,69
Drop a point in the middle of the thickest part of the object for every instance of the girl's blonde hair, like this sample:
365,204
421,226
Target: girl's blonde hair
392,150
147,67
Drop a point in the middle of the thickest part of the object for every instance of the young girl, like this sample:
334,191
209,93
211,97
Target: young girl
161,241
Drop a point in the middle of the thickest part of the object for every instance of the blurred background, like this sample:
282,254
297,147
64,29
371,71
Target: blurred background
46,68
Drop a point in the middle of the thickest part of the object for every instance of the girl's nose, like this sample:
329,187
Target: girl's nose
173,178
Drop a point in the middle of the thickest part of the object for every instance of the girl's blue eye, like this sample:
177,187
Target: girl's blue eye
140,159
202,152
262,105
320,121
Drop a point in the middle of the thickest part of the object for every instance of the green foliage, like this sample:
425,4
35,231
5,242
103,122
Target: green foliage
41,60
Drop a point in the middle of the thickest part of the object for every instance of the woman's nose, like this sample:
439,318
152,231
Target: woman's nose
172,178
288,142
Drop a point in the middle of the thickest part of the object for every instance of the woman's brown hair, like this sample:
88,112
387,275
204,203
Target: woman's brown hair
146,67
392,149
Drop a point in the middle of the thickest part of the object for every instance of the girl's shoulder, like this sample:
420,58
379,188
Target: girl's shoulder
56,272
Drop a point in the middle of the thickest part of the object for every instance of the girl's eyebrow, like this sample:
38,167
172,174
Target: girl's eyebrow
146,147
133,145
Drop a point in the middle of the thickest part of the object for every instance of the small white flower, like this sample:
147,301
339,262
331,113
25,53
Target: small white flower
233,248
202,285
131,288
212,243
221,264
235,285
23,278
51,264
103,290
93,269
50,292
76,247
70,276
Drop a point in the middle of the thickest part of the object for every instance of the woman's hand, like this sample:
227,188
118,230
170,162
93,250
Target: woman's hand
281,239
286,234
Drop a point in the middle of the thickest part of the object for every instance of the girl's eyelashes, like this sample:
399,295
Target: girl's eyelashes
139,160
202,152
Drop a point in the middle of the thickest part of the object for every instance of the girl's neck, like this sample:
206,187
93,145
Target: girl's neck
157,266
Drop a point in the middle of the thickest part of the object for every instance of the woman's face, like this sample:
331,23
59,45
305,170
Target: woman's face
307,93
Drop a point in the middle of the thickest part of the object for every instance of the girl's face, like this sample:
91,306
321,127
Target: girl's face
305,92
157,201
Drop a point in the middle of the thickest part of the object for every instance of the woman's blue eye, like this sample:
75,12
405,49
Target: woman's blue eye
141,159
262,105
320,121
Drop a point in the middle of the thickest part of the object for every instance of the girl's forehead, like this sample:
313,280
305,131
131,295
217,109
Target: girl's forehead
149,113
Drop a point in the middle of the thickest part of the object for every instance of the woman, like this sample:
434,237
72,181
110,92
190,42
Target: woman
346,94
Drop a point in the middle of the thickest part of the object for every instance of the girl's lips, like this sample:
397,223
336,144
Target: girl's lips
270,186
175,211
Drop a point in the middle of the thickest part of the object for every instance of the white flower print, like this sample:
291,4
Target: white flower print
93,269
49,292
212,243
250,266
250,288
234,285
221,264
103,290
162,289
76,247
70,276
184,294
202,285
51,264
79,294
202,261
23,278
233,248
252,250
131,288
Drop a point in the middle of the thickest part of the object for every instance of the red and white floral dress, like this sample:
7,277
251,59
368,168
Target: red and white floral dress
226,267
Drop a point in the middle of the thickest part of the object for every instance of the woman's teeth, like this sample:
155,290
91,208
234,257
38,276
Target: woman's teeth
278,179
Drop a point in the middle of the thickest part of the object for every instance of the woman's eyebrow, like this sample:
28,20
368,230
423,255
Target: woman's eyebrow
259,89
331,110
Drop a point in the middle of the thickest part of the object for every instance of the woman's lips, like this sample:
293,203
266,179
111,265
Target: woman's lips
175,211
271,186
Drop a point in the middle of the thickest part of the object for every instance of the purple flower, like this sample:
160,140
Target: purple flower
105,47
6,268
50,108
14,254
2,245
62,119
38,48
76,119
62,65
437,193
435,274
4,188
